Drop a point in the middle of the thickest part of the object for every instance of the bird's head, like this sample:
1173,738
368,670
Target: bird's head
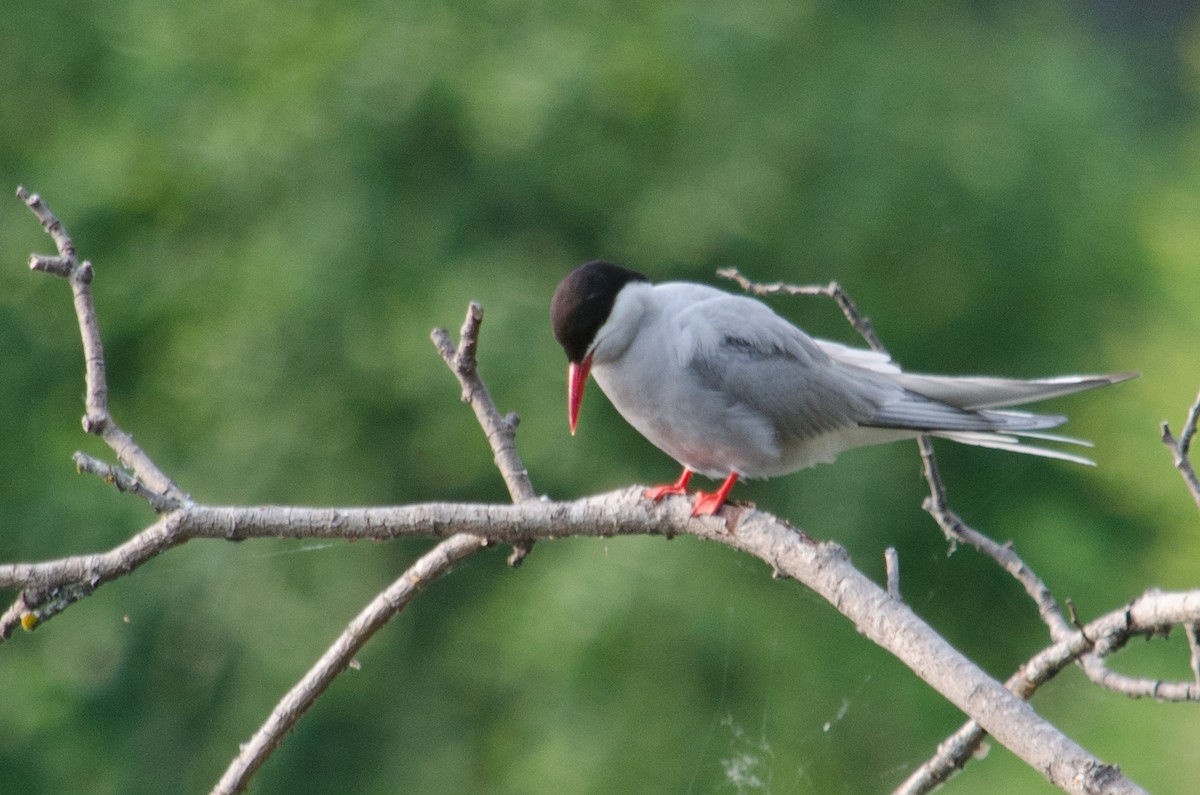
581,306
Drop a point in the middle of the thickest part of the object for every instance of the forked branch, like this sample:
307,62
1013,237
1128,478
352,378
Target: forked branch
501,431
97,420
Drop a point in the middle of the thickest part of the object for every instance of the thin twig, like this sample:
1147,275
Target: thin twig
1189,428
18,614
858,321
122,481
97,420
1137,686
1194,652
937,506
500,430
1180,449
891,561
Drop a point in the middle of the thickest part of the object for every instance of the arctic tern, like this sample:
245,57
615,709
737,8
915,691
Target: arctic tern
729,389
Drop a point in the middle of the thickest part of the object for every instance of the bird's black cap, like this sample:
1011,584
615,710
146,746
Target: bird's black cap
583,301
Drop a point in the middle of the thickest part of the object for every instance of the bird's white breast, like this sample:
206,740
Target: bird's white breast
641,366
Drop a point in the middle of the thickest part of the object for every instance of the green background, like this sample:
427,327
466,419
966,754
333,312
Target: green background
282,199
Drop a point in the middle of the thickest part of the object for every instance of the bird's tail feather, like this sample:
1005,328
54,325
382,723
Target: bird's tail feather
1012,443
972,393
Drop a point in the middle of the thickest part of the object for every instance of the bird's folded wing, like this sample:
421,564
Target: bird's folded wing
762,364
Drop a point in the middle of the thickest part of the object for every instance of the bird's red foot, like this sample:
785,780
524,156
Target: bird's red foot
709,504
656,493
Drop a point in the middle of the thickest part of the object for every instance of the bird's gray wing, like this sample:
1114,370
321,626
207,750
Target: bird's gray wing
805,386
759,362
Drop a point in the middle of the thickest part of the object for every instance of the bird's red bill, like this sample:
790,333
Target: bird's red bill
576,380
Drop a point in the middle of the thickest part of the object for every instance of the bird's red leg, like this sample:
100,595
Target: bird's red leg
709,504
678,487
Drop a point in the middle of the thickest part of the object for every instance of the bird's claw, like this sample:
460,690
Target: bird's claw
656,493
708,504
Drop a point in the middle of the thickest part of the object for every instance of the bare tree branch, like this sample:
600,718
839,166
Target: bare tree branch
97,420
824,567
960,747
937,505
501,431
49,588
858,321
123,481
1152,613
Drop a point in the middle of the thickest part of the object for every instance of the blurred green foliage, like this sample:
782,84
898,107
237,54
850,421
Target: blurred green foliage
282,199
